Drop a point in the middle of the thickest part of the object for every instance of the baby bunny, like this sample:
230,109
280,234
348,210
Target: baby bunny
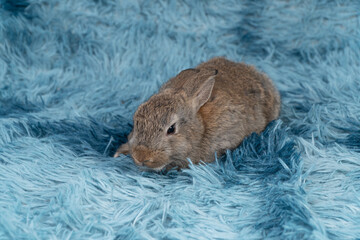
201,112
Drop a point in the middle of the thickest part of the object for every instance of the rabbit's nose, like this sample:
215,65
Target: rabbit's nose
141,155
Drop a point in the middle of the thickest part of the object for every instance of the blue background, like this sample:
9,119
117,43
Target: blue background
72,73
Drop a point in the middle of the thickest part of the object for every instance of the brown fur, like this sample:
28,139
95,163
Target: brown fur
214,107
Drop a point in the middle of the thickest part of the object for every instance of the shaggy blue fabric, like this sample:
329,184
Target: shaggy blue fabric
72,73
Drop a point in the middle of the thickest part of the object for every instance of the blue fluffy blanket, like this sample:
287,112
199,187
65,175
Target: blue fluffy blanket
72,73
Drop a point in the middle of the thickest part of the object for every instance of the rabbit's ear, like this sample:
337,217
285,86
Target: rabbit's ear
123,149
188,72
203,94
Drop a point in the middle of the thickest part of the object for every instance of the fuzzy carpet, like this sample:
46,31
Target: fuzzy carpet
72,73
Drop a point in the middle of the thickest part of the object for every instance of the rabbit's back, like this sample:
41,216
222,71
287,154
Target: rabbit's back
243,101
242,84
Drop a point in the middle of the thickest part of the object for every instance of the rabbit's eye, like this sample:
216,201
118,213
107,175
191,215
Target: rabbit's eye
171,130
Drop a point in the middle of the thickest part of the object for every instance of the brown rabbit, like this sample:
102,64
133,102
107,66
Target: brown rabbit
201,112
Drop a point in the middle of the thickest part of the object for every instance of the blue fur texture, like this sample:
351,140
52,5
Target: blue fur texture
72,73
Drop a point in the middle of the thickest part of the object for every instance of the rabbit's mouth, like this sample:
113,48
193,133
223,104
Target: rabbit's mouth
158,169
150,169
150,165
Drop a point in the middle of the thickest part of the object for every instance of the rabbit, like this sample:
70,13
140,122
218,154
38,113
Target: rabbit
199,113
